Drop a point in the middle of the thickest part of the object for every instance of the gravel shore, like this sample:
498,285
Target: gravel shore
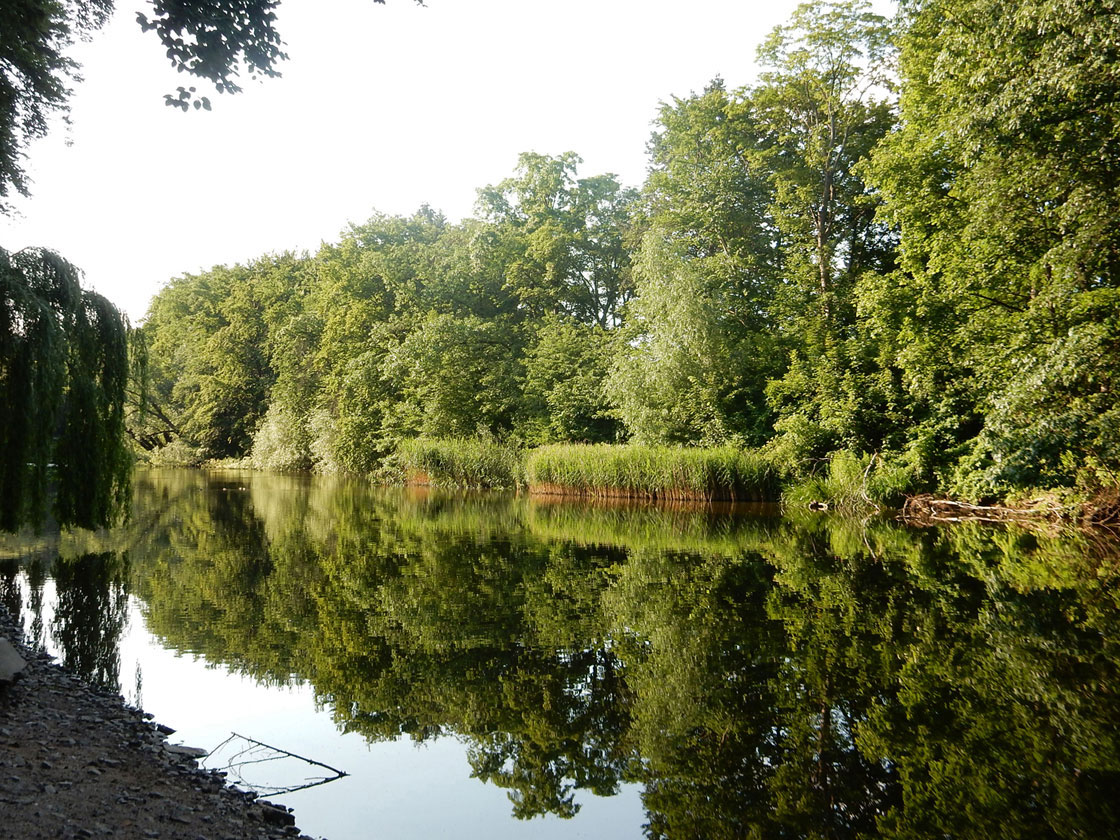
78,763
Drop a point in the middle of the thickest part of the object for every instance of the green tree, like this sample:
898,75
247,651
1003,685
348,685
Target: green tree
457,376
823,105
64,366
563,238
690,373
1003,182
702,336
562,394
212,340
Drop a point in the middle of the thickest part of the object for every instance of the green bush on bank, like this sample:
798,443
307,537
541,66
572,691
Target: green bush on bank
853,482
461,462
652,472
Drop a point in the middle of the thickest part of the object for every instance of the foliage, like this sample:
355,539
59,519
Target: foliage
562,393
64,366
701,342
688,374
565,237
1002,180
854,483
456,376
282,442
884,295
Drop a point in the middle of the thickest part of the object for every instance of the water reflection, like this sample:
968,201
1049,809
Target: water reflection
757,676
90,609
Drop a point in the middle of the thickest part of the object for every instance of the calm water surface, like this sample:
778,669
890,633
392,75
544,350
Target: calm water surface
492,666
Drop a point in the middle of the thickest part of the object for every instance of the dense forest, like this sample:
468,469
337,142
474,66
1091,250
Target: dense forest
896,252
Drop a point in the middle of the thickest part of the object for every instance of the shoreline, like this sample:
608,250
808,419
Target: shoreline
1099,512
77,762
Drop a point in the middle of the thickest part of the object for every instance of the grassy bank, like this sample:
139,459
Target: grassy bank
651,472
461,462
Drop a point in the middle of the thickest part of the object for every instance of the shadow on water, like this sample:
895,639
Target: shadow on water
757,676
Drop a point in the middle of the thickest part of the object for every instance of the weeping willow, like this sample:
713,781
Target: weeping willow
64,366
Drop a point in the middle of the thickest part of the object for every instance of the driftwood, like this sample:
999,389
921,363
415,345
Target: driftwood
258,752
927,509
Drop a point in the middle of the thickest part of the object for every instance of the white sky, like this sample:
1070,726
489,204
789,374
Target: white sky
379,108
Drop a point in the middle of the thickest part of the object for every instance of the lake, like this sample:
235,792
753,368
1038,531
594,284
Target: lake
497,666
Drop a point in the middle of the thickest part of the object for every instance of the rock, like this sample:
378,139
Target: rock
181,751
276,814
11,663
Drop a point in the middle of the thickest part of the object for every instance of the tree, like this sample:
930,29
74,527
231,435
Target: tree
823,104
564,238
457,376
1003,180
692,372
563,396
703,337
818,106
214,348
64,366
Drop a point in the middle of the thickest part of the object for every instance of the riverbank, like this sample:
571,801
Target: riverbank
847,482
76,762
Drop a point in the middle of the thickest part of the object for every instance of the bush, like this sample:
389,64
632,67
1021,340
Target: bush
854,481
282,441
178,453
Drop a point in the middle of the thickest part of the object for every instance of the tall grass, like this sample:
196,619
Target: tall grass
651,472
461,462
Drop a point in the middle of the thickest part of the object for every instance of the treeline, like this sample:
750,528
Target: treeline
899,244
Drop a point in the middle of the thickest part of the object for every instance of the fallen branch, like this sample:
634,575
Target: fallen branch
334,770
236,763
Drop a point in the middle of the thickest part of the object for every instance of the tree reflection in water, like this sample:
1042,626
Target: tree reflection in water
757,676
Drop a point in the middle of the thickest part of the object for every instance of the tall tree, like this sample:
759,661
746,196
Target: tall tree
1004,179
564,238
703,337
823,105
63,370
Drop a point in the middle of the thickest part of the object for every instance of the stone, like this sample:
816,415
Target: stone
186,752
11,663
276,814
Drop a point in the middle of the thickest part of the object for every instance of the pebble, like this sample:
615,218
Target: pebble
131,787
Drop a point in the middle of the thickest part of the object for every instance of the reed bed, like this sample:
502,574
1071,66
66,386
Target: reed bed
651,472
461,462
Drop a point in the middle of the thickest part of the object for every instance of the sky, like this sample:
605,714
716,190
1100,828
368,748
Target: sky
381,108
